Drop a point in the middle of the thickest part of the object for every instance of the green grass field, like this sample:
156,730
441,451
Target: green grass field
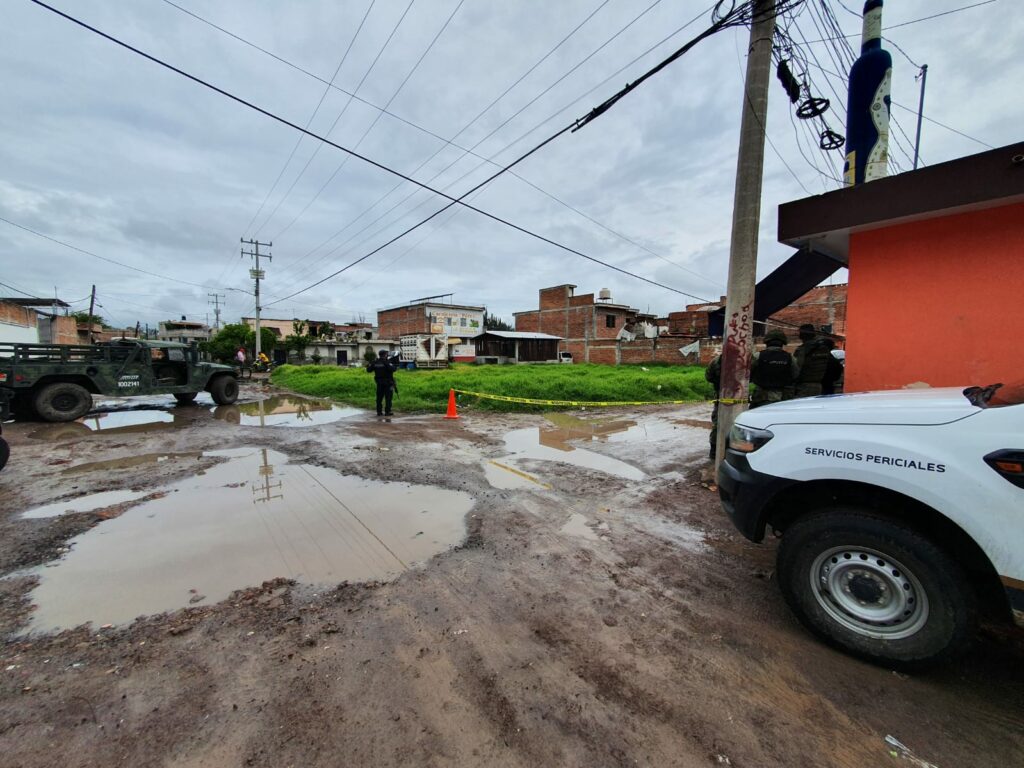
423,390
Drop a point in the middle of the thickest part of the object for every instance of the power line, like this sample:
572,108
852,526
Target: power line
487,108
18,290
341,114
450,142
912,21
734,17
508,146
319,104
101,258
376,120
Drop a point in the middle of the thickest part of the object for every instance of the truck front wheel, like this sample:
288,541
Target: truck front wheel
185,398
876,588
5,453
62,401
224,390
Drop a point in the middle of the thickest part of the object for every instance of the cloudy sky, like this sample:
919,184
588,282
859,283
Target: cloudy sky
116,156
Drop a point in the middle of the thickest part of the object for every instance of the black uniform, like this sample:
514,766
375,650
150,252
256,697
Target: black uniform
383,371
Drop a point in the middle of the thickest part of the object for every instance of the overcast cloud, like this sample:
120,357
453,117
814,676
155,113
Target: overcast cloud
115,155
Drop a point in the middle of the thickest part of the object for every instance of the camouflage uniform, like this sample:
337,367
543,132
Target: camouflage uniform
773,371
812,358
713,375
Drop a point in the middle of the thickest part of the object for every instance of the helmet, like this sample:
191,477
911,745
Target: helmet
775,336
808,331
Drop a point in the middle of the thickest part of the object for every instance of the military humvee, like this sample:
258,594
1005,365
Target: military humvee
56,382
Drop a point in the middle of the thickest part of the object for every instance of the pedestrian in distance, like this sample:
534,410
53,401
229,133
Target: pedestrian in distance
812,358
240,355
773,371
383,371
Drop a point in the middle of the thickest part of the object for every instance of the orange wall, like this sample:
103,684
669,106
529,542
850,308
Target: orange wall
937,301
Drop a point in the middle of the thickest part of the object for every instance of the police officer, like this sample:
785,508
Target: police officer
812,358
383,371
773,370
713,375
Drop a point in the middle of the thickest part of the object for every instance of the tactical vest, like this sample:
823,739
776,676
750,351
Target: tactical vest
813,358
772,369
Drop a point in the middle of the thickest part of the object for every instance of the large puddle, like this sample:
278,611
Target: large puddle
284,411
112,422
251,518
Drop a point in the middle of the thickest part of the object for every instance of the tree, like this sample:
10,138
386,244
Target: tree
84,318
298,340
225,344
492,323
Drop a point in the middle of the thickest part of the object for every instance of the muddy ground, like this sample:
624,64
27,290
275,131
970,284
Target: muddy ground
587,617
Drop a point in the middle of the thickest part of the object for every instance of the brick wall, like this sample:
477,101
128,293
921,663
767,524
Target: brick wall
691,322
14,314
393,323
558,296
824,305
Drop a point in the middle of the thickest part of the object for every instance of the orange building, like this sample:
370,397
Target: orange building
936,261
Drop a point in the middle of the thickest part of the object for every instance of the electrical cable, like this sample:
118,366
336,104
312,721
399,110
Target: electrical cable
104,258
18,290
486,109
376,120
734,17
504,149
341,114
327,89
912,21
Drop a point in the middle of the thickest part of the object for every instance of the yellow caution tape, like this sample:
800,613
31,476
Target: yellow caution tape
591,403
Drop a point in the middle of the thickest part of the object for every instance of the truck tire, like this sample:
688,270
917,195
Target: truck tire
185,398
5,453
224,390
62,401
876,588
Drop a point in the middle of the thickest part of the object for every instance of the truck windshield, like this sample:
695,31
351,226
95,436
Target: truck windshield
996,395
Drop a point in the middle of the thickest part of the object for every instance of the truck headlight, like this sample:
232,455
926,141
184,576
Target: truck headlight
747,439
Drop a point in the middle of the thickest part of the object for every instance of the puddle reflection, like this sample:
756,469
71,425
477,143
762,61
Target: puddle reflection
284,411
248,519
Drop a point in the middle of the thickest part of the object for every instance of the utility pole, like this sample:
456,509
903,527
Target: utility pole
92,305
737,335
216,298
920,113
257,274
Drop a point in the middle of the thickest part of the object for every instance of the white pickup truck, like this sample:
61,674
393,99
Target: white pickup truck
901,513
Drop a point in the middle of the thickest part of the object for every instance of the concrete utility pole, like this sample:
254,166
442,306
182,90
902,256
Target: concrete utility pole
92,304
215,299
738,333
923,74
257,274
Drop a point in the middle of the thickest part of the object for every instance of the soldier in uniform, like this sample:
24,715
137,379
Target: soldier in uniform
773,371
812,358
713,375
383,371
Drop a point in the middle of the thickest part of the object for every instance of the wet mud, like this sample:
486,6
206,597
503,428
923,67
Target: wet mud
596,611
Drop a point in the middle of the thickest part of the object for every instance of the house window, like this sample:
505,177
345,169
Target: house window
609,321
462,322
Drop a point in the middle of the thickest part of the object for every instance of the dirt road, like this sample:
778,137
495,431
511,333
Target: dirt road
496,591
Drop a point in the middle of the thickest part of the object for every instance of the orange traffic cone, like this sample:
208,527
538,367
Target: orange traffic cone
452,413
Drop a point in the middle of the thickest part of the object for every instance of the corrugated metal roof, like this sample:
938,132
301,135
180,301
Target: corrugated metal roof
520,335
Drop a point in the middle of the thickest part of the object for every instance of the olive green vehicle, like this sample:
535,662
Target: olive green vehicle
56,382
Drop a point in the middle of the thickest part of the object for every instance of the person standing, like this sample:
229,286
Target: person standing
713,375
832,383
773,370
812,358
383,371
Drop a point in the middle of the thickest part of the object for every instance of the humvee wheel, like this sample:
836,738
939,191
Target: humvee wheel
62,401
185,398
224,390
5,452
